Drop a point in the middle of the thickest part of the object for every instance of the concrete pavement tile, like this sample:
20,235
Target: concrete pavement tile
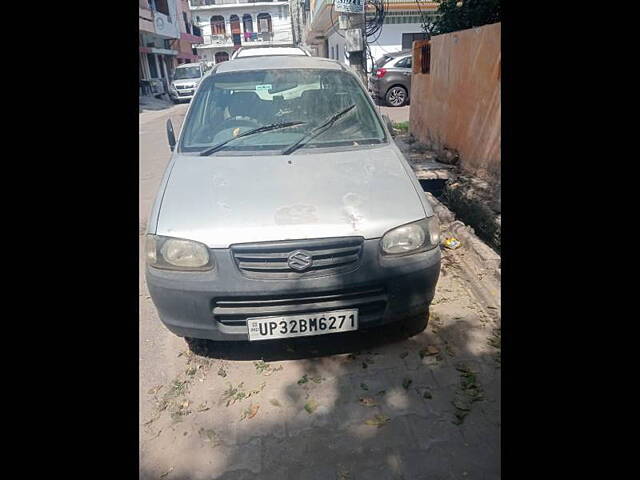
434,432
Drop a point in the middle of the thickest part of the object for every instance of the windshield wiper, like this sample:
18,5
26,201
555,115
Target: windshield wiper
314,132
266,128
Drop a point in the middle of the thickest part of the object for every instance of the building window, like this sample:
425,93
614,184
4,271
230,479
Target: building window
409,38
187,27
217,25
153,72
264,26
338,52
234,21
425,59
247,23
222,57
332,52
264,22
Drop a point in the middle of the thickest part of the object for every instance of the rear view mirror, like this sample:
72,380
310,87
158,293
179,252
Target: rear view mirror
171,136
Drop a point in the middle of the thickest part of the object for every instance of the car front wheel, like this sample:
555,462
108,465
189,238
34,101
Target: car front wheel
396,96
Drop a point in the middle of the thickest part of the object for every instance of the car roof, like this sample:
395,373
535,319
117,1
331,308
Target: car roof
397,54
187,65
270,62
258,51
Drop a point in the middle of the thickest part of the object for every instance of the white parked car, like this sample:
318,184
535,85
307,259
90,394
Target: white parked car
185,81
288,210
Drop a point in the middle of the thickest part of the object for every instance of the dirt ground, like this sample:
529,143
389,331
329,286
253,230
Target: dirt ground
380,404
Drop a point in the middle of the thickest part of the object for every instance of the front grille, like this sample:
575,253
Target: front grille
183,87
269,260
184,93
370,302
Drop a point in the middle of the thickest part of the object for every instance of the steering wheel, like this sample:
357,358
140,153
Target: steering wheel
232,122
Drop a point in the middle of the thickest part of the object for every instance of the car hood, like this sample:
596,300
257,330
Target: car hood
221,200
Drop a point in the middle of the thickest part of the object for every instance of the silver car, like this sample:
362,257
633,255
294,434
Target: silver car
185,81
287,210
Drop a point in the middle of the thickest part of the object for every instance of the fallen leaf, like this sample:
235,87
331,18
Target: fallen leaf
429,350
461,405
381,392
304,379
166,473
364,386
404,354
275,402
311,406
406,382
154,390
368,401
427,394
378,421
364,365
222,372
253,410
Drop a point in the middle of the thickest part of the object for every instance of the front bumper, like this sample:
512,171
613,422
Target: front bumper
384,290
181,95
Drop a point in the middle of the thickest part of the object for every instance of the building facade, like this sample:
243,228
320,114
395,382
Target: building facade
318,23
166,39
226,25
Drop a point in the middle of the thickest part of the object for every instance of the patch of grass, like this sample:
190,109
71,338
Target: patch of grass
209,436
265,369
236,394
469,391
402,126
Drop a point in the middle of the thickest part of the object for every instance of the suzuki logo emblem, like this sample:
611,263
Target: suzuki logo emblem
300,260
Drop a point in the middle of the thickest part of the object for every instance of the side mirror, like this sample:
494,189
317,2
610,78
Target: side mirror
171,135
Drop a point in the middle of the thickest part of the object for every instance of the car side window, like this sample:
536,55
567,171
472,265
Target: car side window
404,63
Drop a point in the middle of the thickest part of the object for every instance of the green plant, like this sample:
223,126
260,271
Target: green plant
454,15
402,126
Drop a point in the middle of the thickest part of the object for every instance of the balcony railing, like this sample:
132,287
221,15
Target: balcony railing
248,38
216,40
204,3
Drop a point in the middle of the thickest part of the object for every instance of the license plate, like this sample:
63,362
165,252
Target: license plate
267,328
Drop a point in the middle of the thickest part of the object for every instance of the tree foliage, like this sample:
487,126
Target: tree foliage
454,15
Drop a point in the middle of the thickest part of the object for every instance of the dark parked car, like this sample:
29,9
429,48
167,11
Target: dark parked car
391,78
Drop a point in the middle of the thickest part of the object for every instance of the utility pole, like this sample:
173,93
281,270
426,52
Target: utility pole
352,21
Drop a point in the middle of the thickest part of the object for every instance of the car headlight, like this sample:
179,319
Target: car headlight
412,238
177,254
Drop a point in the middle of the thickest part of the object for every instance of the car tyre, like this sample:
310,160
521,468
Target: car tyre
396,96
416,324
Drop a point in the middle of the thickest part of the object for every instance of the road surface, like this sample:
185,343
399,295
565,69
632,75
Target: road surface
380,405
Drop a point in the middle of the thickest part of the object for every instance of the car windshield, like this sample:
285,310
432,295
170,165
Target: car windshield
188,72
232,103
383,60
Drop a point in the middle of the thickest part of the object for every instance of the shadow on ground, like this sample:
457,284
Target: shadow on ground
386,411
148,104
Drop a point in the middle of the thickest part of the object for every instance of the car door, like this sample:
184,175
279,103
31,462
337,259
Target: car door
404,66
